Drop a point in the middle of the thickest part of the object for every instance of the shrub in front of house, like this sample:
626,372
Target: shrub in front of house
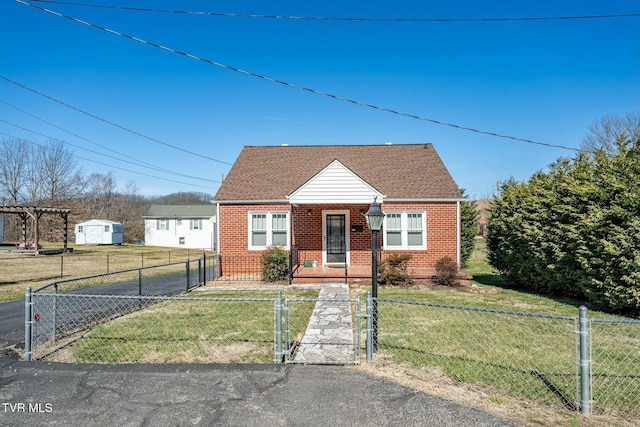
446,272
393,270
275,264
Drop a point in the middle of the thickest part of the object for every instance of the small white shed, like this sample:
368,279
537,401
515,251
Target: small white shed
99,232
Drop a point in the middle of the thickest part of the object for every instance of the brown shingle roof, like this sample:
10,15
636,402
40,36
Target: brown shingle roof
403,171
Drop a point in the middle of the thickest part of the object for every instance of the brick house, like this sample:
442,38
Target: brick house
311,201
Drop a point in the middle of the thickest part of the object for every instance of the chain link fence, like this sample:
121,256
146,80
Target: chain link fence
331,336
61,309
586,365
171,330
615,377
528,356
67,265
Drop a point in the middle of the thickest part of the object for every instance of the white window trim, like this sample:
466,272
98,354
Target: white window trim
404,227
269,221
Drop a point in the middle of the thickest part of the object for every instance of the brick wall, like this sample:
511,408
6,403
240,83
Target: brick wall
306,230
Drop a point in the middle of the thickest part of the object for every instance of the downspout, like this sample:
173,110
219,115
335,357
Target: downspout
218,228
458,228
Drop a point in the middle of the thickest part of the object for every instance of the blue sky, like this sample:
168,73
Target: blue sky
545,81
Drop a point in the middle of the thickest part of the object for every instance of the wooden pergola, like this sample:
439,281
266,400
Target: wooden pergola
35,213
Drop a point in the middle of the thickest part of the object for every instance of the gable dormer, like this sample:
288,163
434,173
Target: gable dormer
334,184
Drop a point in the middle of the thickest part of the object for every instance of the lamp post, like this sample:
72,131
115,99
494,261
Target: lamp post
374,217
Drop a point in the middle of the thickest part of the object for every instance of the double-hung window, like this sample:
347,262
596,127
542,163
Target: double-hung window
268,229
405,230
162,224
195,224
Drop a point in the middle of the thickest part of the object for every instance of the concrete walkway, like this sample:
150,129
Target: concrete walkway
329,338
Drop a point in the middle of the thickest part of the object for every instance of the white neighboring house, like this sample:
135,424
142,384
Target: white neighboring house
99,232
180,226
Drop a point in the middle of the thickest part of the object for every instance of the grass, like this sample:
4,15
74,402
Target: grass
525,361
233,327
521,367
22,271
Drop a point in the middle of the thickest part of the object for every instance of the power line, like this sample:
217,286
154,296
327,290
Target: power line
139,162
357,19
105,120
134,161
291,85
111,157
108,165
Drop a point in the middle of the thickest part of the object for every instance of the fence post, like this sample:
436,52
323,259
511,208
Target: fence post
199,270
585,362
28,321
369,332
290,272
61,266
204,268
277,307
188,276
287,330
55,312
139,281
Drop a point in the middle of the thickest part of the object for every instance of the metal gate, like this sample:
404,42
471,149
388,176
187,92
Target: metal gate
330,336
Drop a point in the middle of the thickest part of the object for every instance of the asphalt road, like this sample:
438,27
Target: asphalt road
11,327
12,312
218,395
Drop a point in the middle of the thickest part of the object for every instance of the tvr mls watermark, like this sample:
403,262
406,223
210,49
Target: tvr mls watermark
27,407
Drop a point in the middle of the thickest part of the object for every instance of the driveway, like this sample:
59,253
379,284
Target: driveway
12,312
46,394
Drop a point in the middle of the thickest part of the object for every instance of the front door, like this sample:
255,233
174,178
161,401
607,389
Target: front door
336,238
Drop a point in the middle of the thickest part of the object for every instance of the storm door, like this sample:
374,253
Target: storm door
336,239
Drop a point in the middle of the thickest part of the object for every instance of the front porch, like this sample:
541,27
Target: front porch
303,269
347,274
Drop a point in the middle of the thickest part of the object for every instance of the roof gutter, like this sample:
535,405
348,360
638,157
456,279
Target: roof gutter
386,200
252,202
424,200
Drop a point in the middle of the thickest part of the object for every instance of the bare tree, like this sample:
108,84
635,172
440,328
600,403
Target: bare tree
607,132
100,195
13,164
33,182
60,176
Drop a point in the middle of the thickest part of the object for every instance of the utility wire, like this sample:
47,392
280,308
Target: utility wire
326,18
291,85
139,162
106,155
105,120
108,165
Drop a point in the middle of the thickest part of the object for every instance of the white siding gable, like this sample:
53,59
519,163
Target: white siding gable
335,184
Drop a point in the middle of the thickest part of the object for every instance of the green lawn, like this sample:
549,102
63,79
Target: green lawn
521,357
234,327
526,360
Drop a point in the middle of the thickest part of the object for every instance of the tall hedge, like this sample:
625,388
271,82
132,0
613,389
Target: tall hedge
469,218
574,230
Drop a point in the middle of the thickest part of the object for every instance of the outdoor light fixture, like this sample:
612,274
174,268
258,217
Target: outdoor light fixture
375,218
